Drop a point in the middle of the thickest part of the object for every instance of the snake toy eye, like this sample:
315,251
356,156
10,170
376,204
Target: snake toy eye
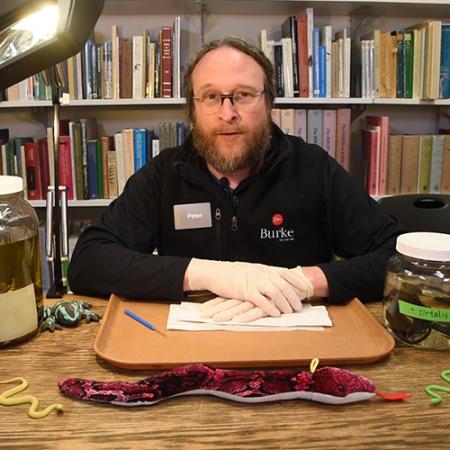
341,388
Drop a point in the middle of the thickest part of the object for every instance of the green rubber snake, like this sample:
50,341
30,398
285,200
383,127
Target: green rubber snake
445,375
7,400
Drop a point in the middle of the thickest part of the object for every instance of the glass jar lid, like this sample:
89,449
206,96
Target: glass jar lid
10,185
425,245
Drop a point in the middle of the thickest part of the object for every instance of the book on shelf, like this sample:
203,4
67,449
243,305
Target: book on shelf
423,175
287,67
44,165
329,131
92,169
176,57
344,62
289,30
316,62
418,38
410,164
33,171
388,72
326,34
139,147
383,123
166,61
315,126
76,146
88,128
371,137
65,166
310,28
444,73
394,165
287,121
300,120
445,177
120,161
111,171
436,166
405,54
138,67
125,59
302,53
107,147
266,46
128,151
343,124
278,68
100,174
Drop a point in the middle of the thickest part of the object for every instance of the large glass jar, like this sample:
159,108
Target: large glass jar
416,303
20,264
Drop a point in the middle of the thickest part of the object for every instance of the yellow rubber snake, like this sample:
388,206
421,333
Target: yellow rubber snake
7,399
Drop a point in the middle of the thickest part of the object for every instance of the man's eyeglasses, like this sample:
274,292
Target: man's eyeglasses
242,99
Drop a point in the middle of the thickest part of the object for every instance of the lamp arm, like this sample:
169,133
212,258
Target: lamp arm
58,222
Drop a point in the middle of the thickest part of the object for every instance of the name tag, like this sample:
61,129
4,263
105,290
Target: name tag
192,215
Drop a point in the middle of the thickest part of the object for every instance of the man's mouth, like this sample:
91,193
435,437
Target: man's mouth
229,133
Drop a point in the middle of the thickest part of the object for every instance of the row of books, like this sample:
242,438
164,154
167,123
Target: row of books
91,166
147,65
404,164
328,128
407,63
307,61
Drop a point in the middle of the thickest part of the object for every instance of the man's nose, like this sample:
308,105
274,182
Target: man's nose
228,109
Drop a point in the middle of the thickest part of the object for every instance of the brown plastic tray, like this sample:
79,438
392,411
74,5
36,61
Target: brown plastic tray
355,337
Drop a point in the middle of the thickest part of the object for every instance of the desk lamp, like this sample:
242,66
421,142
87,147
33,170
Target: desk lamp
36,35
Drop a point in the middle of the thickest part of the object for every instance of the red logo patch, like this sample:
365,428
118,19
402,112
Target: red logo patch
277,219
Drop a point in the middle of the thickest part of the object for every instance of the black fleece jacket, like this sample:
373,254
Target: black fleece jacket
301,208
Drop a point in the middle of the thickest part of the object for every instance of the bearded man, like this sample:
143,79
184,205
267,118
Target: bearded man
253,215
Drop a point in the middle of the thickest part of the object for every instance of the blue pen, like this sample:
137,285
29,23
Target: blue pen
140,320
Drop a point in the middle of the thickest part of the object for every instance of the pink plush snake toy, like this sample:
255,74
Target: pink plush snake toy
326,385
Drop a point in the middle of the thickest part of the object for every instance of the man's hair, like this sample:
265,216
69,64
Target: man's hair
245,47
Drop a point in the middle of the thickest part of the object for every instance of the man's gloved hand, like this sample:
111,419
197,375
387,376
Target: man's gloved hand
298,279
270,288
223,309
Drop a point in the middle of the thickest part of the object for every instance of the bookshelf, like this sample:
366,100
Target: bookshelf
204,20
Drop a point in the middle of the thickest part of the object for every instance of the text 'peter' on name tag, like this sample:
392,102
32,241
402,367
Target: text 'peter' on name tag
192,215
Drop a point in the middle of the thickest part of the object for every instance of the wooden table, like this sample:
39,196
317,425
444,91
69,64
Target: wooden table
200,422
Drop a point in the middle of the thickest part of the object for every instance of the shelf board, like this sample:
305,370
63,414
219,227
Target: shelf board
408,101
75,203
177,102
26,104
321,101
127,102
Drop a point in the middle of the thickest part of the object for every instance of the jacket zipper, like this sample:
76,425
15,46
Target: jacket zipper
234,219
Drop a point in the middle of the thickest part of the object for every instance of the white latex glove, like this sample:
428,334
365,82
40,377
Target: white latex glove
264,286
223,309
298,279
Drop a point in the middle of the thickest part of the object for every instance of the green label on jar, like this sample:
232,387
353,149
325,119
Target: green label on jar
421,312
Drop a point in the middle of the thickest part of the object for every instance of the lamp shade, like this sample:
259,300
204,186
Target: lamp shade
41,33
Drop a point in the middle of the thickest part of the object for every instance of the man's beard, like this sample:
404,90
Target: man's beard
250,153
